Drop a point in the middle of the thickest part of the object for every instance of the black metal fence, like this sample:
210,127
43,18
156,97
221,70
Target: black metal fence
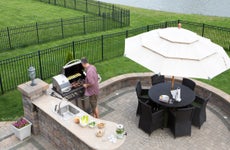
217,34
107,17
96,8
49,62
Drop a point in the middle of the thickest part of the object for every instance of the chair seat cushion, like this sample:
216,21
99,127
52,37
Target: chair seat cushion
195,104
144,96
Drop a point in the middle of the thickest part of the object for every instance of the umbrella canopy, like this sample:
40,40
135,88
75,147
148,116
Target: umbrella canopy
177,52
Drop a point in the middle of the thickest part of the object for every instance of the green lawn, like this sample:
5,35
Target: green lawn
118,66
21,12
139,18
54,23
11,106
10,102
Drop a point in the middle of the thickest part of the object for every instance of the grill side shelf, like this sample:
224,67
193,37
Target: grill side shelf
78,89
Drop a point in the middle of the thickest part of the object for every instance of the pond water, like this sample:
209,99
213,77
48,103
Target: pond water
204,7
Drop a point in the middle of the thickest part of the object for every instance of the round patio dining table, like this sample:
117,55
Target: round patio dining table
187,95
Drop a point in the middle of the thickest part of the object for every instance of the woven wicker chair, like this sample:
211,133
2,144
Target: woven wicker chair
189,83
157,79
150,118
199,114
142,95
180,121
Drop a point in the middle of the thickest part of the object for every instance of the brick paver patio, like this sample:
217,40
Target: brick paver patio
214,134
120,107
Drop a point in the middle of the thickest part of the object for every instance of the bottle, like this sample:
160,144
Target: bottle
178,97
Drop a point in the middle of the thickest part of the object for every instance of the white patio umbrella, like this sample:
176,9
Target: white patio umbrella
177,52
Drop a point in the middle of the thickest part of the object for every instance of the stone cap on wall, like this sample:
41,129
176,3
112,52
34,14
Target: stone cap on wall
33,92
127,80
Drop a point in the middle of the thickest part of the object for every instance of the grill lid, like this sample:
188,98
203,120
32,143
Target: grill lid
74,71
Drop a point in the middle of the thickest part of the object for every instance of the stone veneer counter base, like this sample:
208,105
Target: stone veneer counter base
85,134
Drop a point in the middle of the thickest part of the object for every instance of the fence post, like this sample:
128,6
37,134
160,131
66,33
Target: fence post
55,2
113,13
128,17
125,18
40,63
75,4
8,33
121,18
103,20
73,45
84,28
37,32
1,84
203,26
64,3
166,24
102,47
62,28
49,2
99,8
86,6
127,33
147,27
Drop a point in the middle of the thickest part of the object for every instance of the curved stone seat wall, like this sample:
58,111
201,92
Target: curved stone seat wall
219,102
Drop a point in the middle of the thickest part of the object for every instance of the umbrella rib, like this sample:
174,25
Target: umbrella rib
178,41
225,63
170,57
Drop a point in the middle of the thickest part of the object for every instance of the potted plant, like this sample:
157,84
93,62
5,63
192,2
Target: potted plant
22,128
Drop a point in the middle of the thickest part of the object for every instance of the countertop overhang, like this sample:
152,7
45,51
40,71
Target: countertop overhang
46,103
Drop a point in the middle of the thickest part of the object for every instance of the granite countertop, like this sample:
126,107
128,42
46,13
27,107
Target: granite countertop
47,103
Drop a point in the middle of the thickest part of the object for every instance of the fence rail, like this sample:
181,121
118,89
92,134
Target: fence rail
48,62
96,8
217,34
105,18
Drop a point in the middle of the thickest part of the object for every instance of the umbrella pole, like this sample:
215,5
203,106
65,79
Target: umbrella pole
173,80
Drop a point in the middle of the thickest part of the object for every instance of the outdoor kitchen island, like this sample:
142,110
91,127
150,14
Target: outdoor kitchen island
63,133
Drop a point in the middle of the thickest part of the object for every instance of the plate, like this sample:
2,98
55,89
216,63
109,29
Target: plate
164,98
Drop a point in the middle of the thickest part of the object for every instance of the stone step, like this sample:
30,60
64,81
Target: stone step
5,130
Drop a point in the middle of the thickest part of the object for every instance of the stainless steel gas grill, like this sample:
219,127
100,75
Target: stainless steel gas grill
72,72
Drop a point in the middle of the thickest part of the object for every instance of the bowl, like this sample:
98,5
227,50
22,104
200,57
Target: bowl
100,133
84,121
92,124
83,124
101,125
